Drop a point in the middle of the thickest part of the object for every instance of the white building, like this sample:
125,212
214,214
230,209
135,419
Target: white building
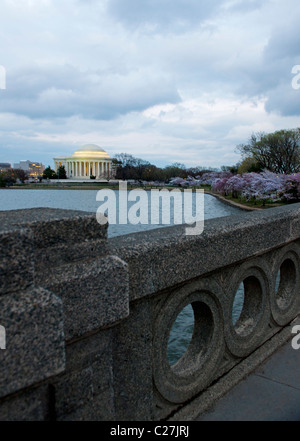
89,160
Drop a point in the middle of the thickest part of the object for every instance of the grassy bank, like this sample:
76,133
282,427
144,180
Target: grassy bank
253,205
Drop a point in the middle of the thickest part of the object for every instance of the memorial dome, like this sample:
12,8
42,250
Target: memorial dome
90,151
89,161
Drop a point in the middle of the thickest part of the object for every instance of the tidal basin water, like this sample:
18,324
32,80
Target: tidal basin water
85,200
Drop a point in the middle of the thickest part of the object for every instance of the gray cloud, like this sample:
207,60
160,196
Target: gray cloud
91,71
163,15
64,91
243,6
284,100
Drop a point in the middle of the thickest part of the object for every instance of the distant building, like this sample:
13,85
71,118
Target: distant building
33,169
4,166
89,160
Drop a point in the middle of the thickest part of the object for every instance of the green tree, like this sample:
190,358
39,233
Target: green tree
49,173
230,168
61,172
2,180
249,165
278,152
7,178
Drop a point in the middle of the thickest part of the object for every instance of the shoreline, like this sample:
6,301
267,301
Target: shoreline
232,203
100,186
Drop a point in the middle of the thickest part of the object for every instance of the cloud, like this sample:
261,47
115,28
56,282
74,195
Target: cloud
172,80
162,16
273,76
64,91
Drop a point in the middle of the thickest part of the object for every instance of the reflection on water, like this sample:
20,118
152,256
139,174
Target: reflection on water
181,334
238,303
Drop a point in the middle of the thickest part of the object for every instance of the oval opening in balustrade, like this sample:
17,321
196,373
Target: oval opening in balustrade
238,304
247,306
192,331
285,284
181,334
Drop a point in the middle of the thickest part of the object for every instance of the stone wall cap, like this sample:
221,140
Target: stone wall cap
165,257
12,219
168,235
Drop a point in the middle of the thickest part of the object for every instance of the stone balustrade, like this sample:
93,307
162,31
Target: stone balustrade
87,319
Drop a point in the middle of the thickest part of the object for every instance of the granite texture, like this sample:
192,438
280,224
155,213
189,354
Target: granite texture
35,343
16,260
30,405
132,365
94,293
58,236
166,257
88,319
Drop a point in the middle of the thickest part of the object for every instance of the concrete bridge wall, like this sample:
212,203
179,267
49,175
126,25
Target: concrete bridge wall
87,319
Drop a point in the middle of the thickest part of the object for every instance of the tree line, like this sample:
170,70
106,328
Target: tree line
278,152
130,168
11,176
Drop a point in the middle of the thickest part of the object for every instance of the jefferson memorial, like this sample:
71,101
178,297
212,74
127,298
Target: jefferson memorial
89,160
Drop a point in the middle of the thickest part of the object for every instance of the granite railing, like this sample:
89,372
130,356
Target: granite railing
87,319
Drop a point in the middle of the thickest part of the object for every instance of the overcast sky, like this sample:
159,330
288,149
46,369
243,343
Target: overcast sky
164,80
